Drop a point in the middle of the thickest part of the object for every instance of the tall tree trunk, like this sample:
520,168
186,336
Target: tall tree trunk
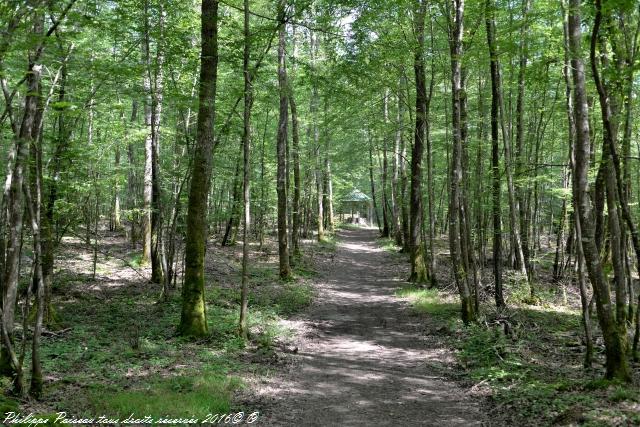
386,232
295,207
520,152
246,180
396,199
117,220
495,156
283,249
295,155
419,273
132,179
58,164
430,184
373,186
327,197
34,210
457,226
229,237
153,83
516,240
404,206
193,321
613,182
615,342
15,205
315,129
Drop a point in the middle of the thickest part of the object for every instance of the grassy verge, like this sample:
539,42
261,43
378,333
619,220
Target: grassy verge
533,373
388,244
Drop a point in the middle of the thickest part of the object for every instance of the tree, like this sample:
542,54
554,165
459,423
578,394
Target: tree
193,320
458,227
614,338
419,273
246,167
495,156
283,245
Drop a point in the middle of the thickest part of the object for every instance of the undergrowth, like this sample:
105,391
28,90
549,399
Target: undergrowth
533,371
119,353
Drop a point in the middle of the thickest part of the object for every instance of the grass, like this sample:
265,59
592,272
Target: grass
534,373
192,396
388,244
348,226
328,243
122,354
428,302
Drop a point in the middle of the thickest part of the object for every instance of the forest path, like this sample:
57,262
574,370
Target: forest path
363,359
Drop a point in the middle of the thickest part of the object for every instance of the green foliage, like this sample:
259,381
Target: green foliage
190,395
526,370
284,299
389,245
428,302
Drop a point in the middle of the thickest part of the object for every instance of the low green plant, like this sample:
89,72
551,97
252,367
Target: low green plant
428,301
189,395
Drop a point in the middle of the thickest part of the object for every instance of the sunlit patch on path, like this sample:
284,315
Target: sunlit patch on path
363,358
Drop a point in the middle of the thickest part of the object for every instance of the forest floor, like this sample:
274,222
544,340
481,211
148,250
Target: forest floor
363,356
346,342
115,352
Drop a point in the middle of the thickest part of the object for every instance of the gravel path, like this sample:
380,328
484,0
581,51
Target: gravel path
363,359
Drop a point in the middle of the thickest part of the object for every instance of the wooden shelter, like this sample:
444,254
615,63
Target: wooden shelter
356,208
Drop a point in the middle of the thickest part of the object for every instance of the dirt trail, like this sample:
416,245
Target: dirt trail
363,359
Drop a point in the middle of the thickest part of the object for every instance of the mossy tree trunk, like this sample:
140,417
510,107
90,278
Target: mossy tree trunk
419,273
193,320
614,337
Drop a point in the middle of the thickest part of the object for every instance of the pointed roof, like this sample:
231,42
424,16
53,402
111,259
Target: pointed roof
356,196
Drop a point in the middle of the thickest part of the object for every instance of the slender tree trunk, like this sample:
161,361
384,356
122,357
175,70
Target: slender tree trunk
430,184
516,241
15,207
229,237
153,84
495,157
396,199
327,198
386,231
132,188
315,129
193,321
246,181
520,152
615,342
283,249
34,210
457,227
295,227
404,206
373,185
419,273
117,220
